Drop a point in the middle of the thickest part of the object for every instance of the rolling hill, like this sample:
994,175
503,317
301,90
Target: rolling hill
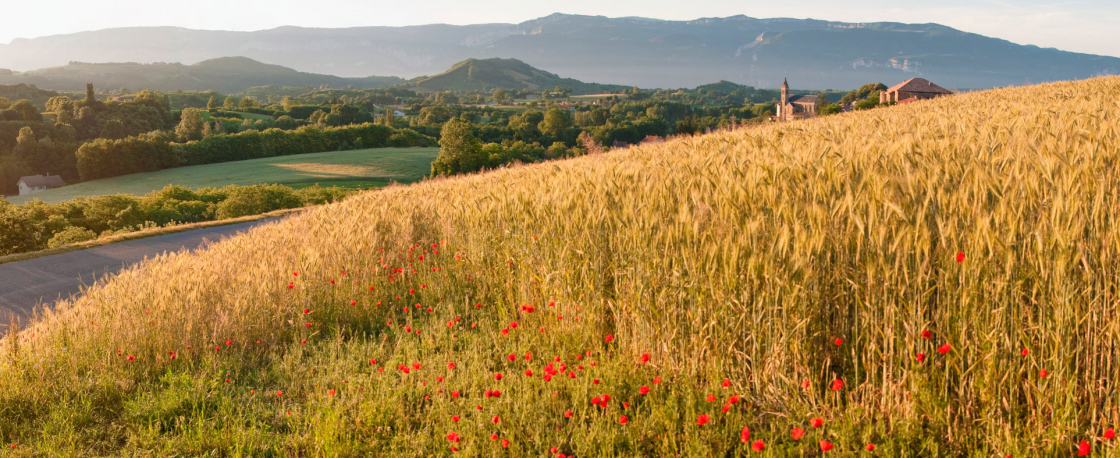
226,75
486,74
650,53
932,279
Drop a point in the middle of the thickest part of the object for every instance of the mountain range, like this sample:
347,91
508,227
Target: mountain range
226,75
813,54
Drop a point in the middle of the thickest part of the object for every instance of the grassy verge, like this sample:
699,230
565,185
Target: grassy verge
143,234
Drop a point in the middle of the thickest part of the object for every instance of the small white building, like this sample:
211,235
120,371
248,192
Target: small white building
36,183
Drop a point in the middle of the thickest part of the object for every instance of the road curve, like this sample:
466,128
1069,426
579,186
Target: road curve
27,284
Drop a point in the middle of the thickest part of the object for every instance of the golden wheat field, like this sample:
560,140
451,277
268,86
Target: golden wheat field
934,279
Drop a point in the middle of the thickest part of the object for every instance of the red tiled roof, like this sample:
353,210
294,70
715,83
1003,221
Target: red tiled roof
919,85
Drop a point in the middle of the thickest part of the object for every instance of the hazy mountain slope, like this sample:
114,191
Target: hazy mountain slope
227,75
634,51
486,74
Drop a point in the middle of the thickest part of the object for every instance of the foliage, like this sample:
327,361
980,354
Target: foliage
38,225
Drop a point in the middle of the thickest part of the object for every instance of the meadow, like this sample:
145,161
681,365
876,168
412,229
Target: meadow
933,279
351,169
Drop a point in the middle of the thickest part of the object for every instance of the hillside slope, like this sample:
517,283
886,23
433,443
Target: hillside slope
633,51
899,277
226,75
487,74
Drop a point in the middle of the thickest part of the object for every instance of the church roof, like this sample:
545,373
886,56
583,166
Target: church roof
809,99
919,85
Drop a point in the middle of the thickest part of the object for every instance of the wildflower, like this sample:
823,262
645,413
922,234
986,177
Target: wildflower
921,357
1043,373
496,419
493,437
837,385
455,394
825,445
960,256
657,380
838,341
1083,448
131,358
926,334
609,338
816,422
703,419
758,446
279,393
643,390
745,436
450,366
623,420
329,392
725,408
944,349
710,398
498,376
726,383
567,414
645,358
805,385
870,447
306,311
1024,352
1109,434
512,357
797,433
529,372
505,443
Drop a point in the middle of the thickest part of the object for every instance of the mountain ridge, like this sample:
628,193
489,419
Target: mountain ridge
814,54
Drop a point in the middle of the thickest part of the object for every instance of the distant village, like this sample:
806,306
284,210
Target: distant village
796,107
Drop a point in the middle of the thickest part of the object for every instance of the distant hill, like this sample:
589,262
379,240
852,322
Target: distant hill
487,74
14,92
633,51
226,75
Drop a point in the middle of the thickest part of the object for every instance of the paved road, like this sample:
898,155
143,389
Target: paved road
26,284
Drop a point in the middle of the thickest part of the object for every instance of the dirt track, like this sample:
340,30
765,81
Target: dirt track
25,285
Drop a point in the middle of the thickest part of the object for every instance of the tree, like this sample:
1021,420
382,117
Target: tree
62,107
460,151
248,102
499,97
27,111
555,122
190,127
91,98
828,109
212,104
25,144
113,130
230,103
589,144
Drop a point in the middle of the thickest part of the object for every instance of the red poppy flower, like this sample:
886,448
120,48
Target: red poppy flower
1043,373
657,380
643,390
596,400
805,385
505,443
944,349
493,437
1083,448
797,433
306,311
926,334
279,393
758,446
725,408
1024,352
498,376
710,398
131,358
496,419
455,394
529,372
734,399
1109,434
703,419
825,445
329,392
838,341
567,414
816,422
726,383
745,436
645,358
837,385
623,420
960,256
870,447
609,338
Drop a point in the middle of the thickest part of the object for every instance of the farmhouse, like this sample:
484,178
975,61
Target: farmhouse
36,183
533,97
796,107
912,90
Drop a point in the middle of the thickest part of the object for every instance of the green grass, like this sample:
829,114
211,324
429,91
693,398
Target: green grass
359,169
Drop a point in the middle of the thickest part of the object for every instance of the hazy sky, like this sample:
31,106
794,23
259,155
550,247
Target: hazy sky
1073,25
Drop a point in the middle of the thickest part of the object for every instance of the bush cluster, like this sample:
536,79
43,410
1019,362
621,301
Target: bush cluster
38,225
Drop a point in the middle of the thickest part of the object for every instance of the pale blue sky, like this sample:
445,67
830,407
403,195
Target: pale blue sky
1073,25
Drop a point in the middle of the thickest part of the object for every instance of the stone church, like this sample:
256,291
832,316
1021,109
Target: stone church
796,107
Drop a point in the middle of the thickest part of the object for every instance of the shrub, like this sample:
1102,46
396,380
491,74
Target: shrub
254,200
72,234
